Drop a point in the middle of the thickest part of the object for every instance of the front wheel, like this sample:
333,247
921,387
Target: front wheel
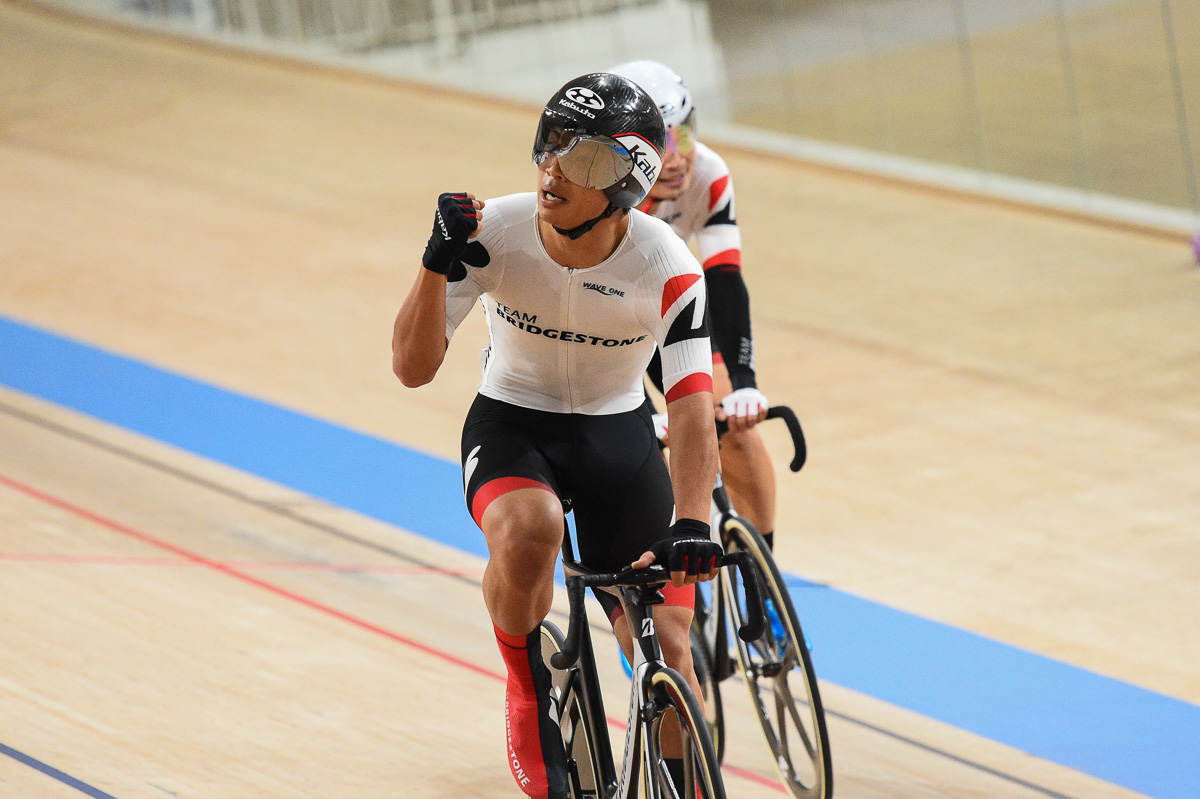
779,673
701,772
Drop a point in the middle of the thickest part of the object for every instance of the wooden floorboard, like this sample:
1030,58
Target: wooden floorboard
1002,411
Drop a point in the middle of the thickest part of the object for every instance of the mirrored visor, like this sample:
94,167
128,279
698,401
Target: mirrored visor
596,162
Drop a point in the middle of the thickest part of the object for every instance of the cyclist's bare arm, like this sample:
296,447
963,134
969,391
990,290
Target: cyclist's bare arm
419,334
693,454
693,461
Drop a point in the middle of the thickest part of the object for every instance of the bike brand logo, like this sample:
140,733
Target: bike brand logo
647,627
605,290
469,467
585,97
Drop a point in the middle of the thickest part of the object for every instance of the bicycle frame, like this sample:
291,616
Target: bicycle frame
638,600
647,654
585,682
638,604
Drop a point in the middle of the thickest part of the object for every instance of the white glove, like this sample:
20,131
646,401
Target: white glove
745,402
660,425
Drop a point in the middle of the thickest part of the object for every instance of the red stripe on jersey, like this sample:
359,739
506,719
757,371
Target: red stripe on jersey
674,289
715,190
727,258
495,488
698,381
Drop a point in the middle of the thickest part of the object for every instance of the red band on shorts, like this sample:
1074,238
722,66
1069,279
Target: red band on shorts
682,597
495,488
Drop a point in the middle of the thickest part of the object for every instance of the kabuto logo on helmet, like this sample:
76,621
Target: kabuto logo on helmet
585,96
646,160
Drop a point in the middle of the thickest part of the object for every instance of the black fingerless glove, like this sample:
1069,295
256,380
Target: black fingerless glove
688,549
455,221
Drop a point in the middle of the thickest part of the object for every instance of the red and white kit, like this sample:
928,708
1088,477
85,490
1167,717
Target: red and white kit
706,210
578,340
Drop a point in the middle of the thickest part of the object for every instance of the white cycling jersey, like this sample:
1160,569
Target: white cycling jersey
578,340
705,210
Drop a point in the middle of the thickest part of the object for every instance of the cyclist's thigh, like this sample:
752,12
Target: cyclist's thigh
621,491
502,451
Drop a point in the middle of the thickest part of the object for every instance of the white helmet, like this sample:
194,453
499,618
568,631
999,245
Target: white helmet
663,85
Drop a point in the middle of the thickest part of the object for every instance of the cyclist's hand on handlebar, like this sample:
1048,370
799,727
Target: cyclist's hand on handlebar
689,554
660,427
743,409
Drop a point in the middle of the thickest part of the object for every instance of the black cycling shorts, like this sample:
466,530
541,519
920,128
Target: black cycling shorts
608,466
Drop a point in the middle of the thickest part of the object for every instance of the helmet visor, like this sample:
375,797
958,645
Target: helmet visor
596,162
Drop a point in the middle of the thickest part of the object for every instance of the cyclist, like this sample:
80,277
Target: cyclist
578,291
694,194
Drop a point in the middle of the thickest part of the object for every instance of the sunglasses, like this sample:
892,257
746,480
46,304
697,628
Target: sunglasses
682,138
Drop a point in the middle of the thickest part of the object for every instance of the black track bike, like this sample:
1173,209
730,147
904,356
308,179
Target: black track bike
657,692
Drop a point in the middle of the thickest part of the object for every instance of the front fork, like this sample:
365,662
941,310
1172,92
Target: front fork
711,613
647,657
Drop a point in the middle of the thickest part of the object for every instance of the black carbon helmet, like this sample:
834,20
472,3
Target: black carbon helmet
604,104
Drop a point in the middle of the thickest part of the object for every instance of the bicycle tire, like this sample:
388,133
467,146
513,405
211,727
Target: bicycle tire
702,770
584,776
710,695
772,667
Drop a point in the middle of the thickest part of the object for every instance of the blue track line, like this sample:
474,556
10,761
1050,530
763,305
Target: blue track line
50,771
1112,730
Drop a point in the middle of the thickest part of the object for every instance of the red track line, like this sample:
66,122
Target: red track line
91,560
116,527
119,560
226,569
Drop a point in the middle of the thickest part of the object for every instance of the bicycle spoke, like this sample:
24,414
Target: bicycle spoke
663,781
785,710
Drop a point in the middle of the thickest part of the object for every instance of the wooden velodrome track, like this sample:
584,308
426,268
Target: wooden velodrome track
1003,409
